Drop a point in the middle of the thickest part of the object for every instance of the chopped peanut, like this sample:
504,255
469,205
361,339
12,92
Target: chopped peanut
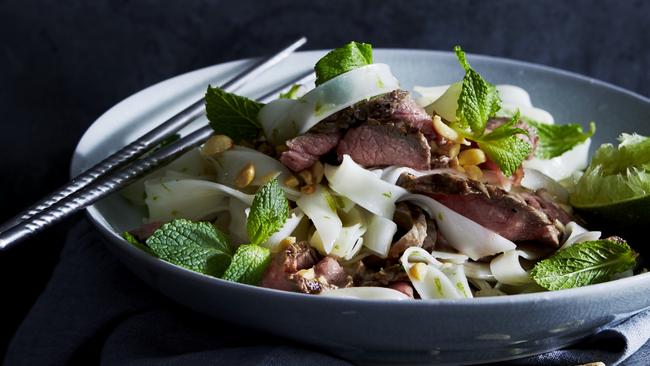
471,157
306,176
317,171
291,181
454,150
245,176
308,189
418,271
453,163
473,171
445,131
286,242
216,145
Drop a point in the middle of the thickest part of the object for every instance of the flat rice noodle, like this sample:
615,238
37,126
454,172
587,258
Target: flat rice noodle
320,207
363,187
441,280
188,198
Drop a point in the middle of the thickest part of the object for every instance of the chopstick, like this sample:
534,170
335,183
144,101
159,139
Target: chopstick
112,182
152,138
97,182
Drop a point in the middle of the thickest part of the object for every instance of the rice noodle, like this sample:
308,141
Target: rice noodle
229,164
194,199
507,269
366,293
363,187
284,119
440,280
294,219
379,236
575,233
320,207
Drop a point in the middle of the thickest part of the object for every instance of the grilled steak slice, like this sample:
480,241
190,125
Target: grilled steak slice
395,109
325,275
507,214
305,149
385,144
399,106
416,234
295,257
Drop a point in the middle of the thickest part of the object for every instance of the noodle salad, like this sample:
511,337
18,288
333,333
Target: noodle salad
356,188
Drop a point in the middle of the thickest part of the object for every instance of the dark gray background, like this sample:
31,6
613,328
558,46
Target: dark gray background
63,63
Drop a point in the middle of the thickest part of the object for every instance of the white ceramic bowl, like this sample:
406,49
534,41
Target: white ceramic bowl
384,332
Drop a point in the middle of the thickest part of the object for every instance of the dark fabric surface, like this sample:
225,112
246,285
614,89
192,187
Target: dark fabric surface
62,64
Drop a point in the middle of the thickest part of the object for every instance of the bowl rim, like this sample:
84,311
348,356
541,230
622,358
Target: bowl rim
548,296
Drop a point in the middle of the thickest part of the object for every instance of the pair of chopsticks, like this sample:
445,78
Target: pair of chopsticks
115,172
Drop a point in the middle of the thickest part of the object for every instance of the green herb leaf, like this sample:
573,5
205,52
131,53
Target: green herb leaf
508,153
197,246
268,213
503,146
478,100
248,264
291,93
136,243
555,140
584,264
232,115
341,60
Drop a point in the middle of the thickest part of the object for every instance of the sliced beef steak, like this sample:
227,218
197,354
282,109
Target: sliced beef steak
399,106
305,149
402,140
325,275
508,214
295,257
385,144
416,232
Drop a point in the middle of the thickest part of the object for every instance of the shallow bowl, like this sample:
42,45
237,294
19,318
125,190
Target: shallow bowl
383,332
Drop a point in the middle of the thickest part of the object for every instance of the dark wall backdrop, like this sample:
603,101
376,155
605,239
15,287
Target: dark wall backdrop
63,63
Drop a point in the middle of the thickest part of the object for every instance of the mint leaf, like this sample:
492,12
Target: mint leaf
503,146
341,60
584,264
555,140
508,153
248,264
478,100
197,246
291,93
232,115
136,243
268,213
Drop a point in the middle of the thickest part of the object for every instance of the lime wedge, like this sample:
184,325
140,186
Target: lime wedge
615,187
